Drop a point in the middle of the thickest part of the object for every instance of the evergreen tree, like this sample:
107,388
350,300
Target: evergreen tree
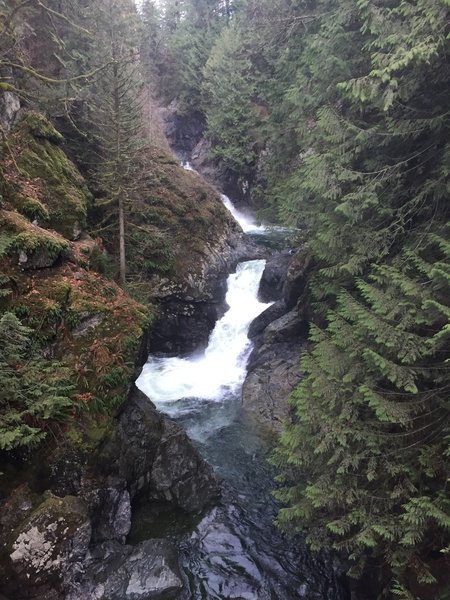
116,113
365,467
234,114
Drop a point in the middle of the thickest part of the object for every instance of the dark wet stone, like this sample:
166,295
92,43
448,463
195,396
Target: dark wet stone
147,571
275,311
297,276
274,277
179,474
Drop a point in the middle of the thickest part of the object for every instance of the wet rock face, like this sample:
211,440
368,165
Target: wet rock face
155,457
111,513
275,311
183,131
184,327
274,277
190,307
297,277
267,387
279,335
218,174
179,475
147,571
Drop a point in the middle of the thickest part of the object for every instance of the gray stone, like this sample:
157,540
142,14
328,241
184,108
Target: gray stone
273,367
275,311
286,327
111,513
274,277
297,277
147,571
179,474
51,541
155,457
139,435
269,384
9,107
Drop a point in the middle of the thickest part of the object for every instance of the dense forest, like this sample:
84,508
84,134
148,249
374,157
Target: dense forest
333,117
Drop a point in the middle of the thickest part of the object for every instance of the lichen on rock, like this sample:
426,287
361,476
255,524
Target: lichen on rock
50,541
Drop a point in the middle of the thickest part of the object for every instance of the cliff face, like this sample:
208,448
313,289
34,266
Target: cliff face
66,506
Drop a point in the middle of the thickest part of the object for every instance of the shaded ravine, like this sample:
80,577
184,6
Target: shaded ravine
234,551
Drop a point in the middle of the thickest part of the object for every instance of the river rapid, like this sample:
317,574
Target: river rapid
233,551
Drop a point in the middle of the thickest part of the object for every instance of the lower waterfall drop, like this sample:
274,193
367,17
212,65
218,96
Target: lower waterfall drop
221,369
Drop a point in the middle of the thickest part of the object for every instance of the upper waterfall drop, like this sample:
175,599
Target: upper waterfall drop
222,367
246,221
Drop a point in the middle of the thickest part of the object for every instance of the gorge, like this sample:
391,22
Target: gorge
193,405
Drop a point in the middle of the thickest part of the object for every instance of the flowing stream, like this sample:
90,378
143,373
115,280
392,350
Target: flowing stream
234,551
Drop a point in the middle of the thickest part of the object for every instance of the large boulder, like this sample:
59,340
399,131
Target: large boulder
258,325
48,545
156,458
179,474
41,258
286,328
274,277
147,571
74,544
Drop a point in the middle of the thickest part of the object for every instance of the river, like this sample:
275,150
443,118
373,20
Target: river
233,551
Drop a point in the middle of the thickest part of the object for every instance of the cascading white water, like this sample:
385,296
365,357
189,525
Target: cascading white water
221,369
187,165
246,221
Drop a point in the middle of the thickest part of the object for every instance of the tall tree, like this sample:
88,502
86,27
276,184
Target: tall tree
116,112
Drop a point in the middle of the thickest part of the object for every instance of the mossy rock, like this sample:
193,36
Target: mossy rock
40,127
176,217
47,188
32,246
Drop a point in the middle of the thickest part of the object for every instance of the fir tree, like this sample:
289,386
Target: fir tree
115,113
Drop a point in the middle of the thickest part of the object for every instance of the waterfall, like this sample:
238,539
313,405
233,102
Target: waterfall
220,370
246,221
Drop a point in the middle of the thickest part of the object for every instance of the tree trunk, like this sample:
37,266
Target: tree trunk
122,260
